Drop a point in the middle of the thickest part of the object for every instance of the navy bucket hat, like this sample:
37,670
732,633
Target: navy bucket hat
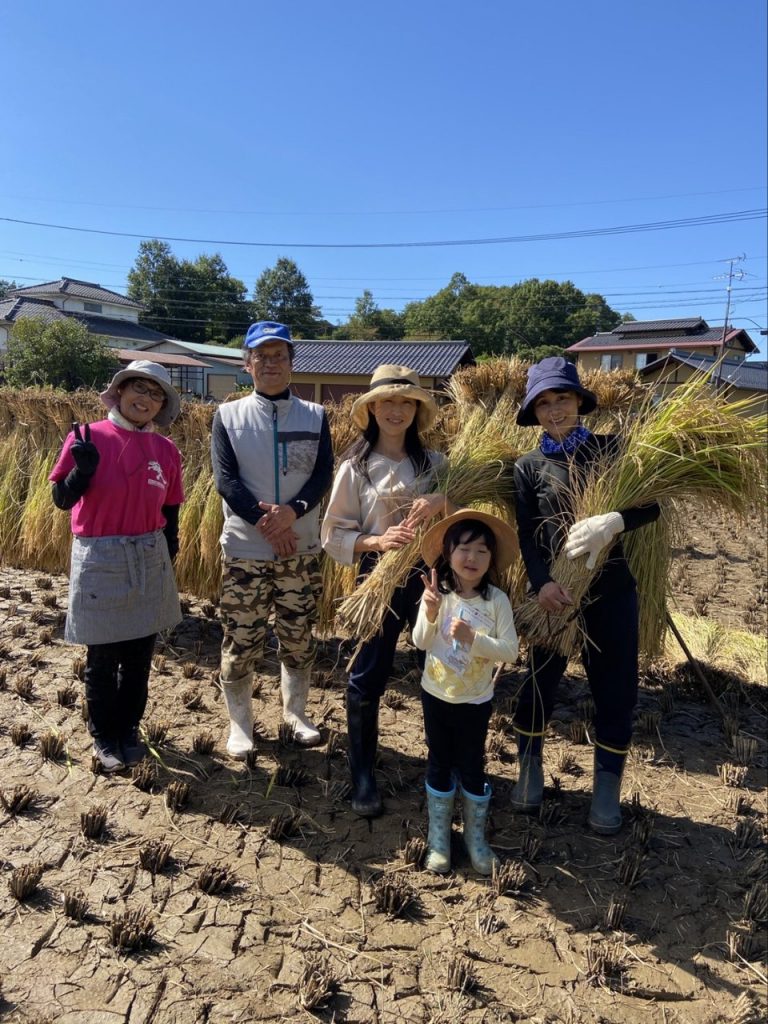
552,374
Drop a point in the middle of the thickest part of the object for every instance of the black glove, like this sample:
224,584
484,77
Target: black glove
84,451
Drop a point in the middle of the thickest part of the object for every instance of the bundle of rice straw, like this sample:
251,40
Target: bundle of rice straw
478,472
693,444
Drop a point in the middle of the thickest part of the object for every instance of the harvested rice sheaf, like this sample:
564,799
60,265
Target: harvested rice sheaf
692,445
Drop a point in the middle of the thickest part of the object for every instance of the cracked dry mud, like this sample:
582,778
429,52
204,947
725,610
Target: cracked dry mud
307,898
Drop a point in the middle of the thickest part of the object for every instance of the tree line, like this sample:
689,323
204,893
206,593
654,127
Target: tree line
199,300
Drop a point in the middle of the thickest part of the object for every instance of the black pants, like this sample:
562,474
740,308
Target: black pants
456,735
117,685
609,656
373,664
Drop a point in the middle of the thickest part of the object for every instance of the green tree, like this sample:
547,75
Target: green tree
282,293
498,319
6,286
62,354
370,323
194,300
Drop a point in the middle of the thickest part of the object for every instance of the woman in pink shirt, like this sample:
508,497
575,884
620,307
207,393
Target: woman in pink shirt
122,482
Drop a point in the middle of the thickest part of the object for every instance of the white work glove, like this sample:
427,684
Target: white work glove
590,536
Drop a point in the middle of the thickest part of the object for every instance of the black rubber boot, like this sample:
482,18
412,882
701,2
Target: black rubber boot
363,733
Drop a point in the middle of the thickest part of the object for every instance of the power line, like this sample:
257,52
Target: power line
621,229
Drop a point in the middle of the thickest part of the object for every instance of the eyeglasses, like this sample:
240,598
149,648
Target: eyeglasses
274,360
141,388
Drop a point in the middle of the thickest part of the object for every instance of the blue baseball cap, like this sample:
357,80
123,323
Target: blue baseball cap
264,331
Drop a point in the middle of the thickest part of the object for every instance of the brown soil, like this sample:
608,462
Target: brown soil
685,950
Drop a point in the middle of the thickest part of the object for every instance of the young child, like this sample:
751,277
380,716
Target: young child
466,626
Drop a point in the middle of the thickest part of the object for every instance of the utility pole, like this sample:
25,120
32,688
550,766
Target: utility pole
739,275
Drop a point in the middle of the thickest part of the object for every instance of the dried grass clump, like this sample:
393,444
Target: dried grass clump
746,1011
24,687
203,742
741,942
509,879
37,617
24,881
292,775
461,975
52,746
192,699
606,962
156,732
213,879
551,814
393,896
632,866
154,856
75,905
177,795
531,844
577,731
132,930
20,734
144,775
756,904
614,914
317,985
566,763
66,696
18,799
733,775
286,733
414,851
283,826
744,749
692,445
18,629
229,813
747,834
94,821
487,923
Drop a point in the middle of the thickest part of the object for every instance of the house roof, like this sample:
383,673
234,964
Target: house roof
749,375
605,341
360,358
642,335
127,355
357,358
15,308
88,290
689,323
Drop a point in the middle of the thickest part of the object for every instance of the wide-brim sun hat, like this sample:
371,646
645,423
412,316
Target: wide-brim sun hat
392,381
146,370
507,547
553,374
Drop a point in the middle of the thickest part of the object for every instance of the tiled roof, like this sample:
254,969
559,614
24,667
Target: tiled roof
689,323
712,336
360,358
748,375
14,309
80,289
205,351
127,355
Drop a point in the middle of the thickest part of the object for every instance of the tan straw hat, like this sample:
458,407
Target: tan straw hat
506,539
391,381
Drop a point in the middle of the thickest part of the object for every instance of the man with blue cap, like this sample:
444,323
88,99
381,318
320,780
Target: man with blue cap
272,464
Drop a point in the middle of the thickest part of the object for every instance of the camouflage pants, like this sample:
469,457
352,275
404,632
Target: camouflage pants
251,590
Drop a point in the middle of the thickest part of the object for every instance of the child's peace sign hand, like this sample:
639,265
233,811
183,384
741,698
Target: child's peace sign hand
432,596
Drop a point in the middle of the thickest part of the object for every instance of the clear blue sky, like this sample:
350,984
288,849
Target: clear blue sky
353,122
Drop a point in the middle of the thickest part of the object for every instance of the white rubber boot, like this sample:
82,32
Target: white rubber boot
237,695
294,684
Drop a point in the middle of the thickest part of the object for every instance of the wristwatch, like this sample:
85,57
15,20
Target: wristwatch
299,506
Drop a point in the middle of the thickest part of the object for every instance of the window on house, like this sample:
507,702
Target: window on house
92,307
643,359
611,361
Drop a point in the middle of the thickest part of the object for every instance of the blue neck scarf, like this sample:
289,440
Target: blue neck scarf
568,445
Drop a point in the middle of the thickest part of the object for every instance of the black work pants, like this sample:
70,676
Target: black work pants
117,685
609,655
456,735
373,665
